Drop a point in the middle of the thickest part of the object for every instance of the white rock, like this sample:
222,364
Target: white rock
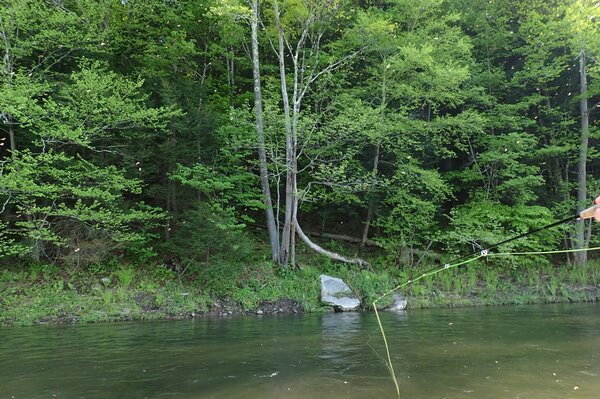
398,303
336,293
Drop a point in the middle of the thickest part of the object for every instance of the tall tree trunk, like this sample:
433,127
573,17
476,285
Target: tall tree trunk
371,206
260,134
290,152
581,257
11,134
293,229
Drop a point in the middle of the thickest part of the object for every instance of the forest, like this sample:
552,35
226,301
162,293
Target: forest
203,136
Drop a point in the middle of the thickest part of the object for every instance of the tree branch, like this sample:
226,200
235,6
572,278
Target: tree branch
328,68
323,251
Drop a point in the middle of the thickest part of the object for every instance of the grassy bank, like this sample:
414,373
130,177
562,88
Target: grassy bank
46,294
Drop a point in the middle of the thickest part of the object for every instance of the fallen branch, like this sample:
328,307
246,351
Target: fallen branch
323,251
343,237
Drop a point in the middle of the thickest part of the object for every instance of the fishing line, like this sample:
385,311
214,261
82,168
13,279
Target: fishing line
463,260
527,233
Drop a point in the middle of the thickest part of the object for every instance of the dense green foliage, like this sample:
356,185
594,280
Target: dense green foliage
420,129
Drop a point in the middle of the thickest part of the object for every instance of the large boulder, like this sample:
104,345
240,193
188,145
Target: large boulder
336,293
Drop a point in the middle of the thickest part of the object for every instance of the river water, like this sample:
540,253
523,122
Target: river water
549,351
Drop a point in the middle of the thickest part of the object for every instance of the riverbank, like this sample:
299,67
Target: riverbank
44,294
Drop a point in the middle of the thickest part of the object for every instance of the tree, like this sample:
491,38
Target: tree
582,19
524,157
35,38
260,134
65,191
300,31
557,34
402,108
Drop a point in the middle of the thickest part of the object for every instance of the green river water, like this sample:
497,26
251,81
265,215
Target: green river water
550,351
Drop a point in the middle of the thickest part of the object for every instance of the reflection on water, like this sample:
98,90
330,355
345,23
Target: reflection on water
503,352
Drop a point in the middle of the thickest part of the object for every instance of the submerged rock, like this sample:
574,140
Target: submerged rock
336,293
398,303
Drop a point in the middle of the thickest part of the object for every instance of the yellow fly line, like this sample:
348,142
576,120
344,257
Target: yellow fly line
483,254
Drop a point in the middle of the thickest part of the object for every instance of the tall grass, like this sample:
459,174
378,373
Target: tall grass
125,276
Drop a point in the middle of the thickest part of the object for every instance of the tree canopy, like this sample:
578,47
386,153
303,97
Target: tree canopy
203,129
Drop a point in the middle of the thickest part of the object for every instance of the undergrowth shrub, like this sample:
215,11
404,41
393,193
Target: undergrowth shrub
206,235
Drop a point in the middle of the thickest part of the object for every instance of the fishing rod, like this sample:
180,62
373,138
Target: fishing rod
584,214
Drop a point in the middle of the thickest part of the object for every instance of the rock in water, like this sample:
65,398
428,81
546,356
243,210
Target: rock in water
398,303
336,293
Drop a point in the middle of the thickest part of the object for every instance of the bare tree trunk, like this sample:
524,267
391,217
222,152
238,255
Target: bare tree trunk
327,253
293,230
232,70
581,257
371,207
262,154
293,245
11,134
290,152
169,210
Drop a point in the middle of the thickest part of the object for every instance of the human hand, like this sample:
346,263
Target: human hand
591,212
